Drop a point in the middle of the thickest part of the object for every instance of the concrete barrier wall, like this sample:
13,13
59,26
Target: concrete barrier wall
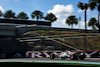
7,27
37,54
45,54
7,32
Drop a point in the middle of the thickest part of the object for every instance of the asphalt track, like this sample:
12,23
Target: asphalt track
47,60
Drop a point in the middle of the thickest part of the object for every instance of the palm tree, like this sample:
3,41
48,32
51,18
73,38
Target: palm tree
22,15
84,6
51,17
95,4
1,14
9,14
80,5
38,14
71,20
92,22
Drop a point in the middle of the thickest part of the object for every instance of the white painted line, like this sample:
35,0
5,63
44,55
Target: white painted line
68,62
97,63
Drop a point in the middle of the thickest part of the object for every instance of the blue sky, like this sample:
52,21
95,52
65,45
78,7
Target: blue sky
61,8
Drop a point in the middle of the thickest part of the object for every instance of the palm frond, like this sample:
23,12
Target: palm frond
92,5
99,7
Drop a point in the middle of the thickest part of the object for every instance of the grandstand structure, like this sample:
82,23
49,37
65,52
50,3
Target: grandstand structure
12,39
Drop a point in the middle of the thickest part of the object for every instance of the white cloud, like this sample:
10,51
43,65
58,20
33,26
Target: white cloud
1,9
60,21
64,21
81,24
88,11
61,10
80,10
83,10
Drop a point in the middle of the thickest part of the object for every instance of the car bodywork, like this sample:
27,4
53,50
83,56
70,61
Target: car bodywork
72,55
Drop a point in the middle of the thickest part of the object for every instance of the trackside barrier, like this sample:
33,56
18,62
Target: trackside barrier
38,54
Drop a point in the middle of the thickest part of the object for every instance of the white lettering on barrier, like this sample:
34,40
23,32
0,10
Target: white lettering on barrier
46,54
57,54
89,55
37,54
27,54
32,55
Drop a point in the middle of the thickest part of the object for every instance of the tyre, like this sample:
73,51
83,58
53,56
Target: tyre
52,56
73,57
81,57
63,58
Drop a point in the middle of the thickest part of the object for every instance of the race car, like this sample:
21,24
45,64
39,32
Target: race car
72,55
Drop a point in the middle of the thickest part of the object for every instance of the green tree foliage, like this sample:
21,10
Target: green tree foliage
72,20
82,6
1,14
51,17
92,22
22,15
9,14
38,14
97,1
95,4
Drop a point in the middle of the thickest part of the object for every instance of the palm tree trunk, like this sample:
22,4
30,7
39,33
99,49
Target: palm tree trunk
93,27
85,21
37,20
72,26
